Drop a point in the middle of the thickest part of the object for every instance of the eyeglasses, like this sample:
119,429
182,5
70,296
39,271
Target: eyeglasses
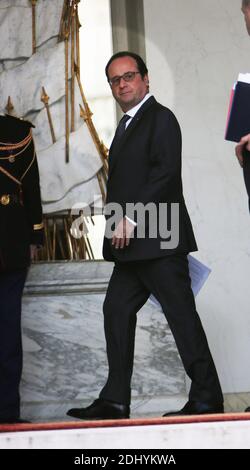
127,77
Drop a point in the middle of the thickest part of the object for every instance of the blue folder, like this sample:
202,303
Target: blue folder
238,123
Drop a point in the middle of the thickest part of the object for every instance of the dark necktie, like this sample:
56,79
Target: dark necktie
120,128
118,134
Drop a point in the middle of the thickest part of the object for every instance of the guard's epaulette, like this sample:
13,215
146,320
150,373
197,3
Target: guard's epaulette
20,119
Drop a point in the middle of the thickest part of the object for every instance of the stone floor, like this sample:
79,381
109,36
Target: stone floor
64,347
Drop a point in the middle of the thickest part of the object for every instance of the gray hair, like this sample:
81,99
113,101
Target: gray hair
245,3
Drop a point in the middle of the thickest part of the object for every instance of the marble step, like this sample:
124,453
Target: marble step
68,277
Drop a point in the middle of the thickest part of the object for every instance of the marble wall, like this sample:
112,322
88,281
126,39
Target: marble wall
64,346
195,51
62,185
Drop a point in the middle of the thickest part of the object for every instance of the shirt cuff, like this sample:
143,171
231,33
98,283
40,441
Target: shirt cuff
131,221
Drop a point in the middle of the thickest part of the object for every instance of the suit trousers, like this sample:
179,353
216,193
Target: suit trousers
129,288
11,289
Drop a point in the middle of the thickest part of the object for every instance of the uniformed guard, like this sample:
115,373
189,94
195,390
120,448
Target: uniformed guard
21,232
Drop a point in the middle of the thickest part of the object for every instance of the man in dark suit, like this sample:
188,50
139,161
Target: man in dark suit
20,233
145,168
242,149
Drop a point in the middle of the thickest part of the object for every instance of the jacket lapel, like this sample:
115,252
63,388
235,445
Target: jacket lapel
114,153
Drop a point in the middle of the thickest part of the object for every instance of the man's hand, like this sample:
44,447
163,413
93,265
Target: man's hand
243,143
122,234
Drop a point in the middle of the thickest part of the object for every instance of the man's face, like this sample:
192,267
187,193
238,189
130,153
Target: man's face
127,94
246,12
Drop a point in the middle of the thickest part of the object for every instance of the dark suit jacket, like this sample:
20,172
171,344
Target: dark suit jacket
146,167
20,224
246,171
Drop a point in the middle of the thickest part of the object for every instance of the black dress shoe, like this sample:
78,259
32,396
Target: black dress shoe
197,408
13,421
101,409
247,409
